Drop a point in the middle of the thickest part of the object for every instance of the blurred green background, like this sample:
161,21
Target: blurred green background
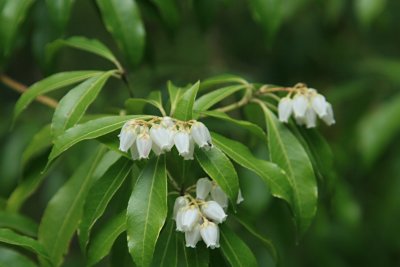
348,50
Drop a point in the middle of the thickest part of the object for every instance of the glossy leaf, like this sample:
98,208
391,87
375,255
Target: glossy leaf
18,223
102,242
100,195
74,104
184,106
166,252
82,43
221,170
40,141
51,83
175,93
147,211
193,257
60,11
64,211
221,79
9,257
123,21
236,252
274,177
286,151
169,12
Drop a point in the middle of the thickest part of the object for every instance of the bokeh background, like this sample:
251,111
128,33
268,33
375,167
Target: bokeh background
348,50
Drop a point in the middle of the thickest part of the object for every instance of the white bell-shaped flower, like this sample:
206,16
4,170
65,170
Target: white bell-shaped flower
167,122
163,137
144,144
189,156
329,118
134,152
201,135
127,136
193,236
310,118
182,143
190,216
218,195
180,202
209,232
212,210
203,188
178,220
285,108
156,149
240,198
300,104
319,103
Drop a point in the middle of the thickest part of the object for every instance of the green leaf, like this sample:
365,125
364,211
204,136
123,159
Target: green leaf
269,14
286,151
60,11
147,210
51,83
368,10
102,242
372,142
217,165
75,103
100,195
123,21
135,105
221,79
12,14
175,93
64,211
184,106
40,141
19,223
210,99
9,237
89,130
166,252
169,12
251,127
82,43
236,252
9,257
190,257
275,178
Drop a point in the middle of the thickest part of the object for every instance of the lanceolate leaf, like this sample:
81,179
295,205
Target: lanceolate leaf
288,153
193,257
64,211
221,170
59,11
166,253
102,242
100,195
40,142
75,103
275,178
175,94
51,83
123,21
184,107
147,210
136,104
18,222
236,252
12,258
221,79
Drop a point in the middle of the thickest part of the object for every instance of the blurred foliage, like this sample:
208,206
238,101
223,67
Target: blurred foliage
349,50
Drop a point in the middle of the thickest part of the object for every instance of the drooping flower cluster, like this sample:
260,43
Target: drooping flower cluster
161,134
306,105
199,217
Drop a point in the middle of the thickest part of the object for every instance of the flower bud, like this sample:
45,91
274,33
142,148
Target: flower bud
144,145
300,104
240,198
167,122
285,109
218,195
201,135
209,231
318,103
127,136
182,143
189,156
203,188
180,202
213,211
156,149
193,236
190,217
178,220
163,137
329,118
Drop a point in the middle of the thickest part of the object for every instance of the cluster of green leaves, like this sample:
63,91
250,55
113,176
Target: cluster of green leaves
141,188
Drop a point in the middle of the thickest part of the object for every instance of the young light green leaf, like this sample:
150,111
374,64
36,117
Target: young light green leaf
166,252
286,151
18,222
189,257
51,83
169,12
82,43
102,242
12,14
12,258
123,21
217,165
100,195
147,210
40,141
210,99
221,79
175,93
236,252
10,237
59,11
274,177
184,106
64,211
75,103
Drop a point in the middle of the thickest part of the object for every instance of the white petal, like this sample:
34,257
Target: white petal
178,220
318,103
134,152
310,118
180,202
209,231
218,195
167,122
182,142
190,217
212,210
127,137
193,236
300,120
189,156
240,198
144,145
300,104
156,149
285,109
201,135
329,118
203,188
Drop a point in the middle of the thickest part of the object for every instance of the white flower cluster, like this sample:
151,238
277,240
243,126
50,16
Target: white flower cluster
305,106
161,134
199,218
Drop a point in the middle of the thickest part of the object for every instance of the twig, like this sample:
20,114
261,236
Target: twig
21,88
